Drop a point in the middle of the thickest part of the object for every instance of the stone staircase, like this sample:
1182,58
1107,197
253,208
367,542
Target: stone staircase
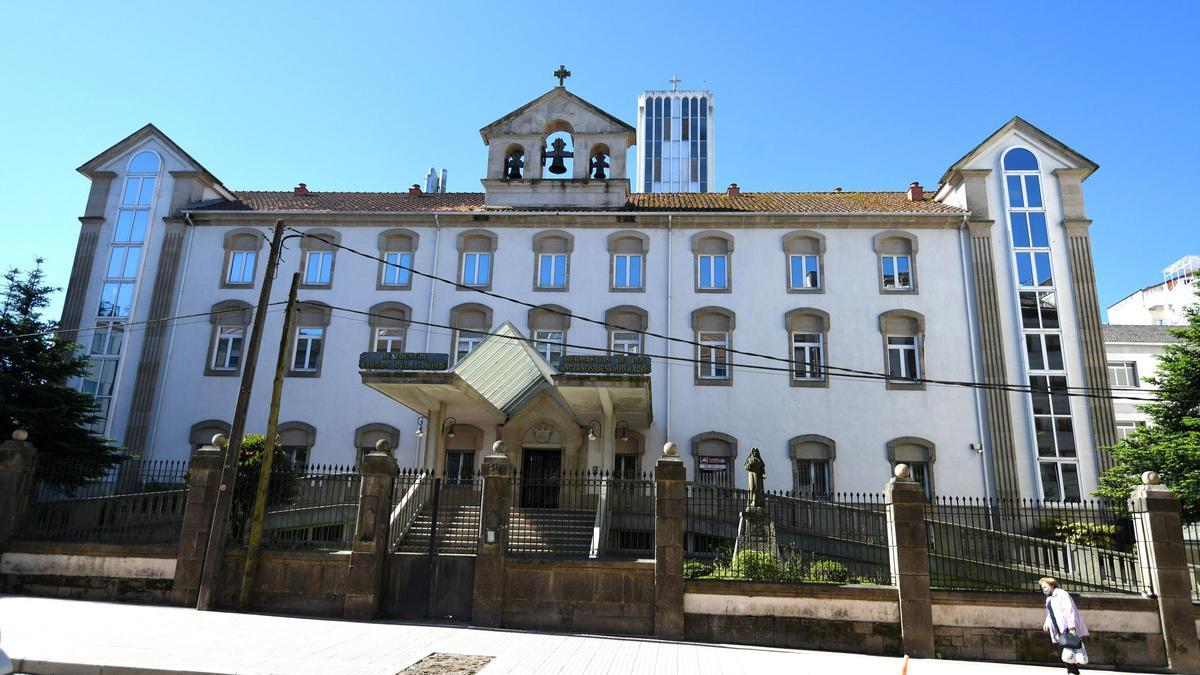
553,532
457,531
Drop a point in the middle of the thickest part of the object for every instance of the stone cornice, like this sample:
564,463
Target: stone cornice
1077,227
981,228
1081,174
91,220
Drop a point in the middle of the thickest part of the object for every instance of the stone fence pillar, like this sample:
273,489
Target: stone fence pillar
488,605
204,480
1163,559
18,458
368,553
909,554
670,508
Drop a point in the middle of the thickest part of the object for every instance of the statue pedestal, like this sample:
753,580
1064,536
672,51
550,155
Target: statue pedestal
756,532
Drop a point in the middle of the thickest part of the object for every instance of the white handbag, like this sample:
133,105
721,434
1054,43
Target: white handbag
1076,656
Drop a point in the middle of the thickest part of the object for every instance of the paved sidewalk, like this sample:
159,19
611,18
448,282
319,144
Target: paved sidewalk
45,635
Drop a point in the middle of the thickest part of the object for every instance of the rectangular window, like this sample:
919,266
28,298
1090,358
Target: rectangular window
713,356
460,467
1044,351
116,298
397,271
1033,269
138,191
1060,481
99,383
1126,428
713,271
476,269
107,338
807,356
308,349
626,342
1123,374
903,362
552,270
1052,416
922,473
241,267
897,272
626,466
227,353
804,272
1039,310
131,226
549,343
123,262
466,343
318,268
812,478
627,270
297,455
389,339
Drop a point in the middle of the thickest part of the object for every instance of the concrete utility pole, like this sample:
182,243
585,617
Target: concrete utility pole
214,555
264,468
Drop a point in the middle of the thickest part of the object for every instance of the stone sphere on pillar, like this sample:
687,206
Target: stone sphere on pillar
383,446
1151,478
220,440
901,472
20,435
670,449
499,448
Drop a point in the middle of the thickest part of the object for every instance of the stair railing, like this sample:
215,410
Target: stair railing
405,512
600,526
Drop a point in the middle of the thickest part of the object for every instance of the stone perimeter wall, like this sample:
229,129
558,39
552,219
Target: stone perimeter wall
306,583
579,596
141,574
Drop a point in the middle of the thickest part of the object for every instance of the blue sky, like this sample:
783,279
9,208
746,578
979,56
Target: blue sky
367,96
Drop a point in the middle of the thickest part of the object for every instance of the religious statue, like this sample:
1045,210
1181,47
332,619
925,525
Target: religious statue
758,471
557,153
513,165
599,164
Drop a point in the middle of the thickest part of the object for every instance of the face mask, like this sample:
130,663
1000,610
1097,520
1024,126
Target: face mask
1046,590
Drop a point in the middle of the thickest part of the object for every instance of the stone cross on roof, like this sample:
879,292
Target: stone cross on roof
675,82
562,74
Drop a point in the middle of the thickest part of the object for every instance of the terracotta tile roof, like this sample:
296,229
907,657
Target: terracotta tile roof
746,202
1138,334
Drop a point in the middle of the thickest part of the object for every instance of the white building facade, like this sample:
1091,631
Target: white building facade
839,332
1162,304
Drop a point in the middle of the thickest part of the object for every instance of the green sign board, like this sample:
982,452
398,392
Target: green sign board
403,361
605,364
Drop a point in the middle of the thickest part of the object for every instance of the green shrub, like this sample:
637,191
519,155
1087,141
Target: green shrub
828,571
1086,534
694,569
756,566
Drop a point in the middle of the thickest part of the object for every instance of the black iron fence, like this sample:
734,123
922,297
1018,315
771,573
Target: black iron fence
982,544
556,514
627,517
789,538
435,513
311,507
1192,549
136,502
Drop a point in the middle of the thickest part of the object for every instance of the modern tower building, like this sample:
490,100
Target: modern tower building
675,140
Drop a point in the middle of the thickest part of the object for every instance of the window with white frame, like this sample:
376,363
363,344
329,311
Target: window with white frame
804,250
813,478
714,328
548,325
296,440
804,272
627,249
471,322
626,324
897,253
389,339
107,338
475,248
1125,428
549,343
397,270
1044,351
903,357
1055,434
897,272
626,342
307,352
318,268
476,269
922,473
627,270
241,256
807,360
713,250
389,326
116,298
241,267
552,270
1123,374
227,353
465,343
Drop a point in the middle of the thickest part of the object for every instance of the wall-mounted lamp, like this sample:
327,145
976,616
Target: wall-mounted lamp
420,427
593,430
448,427
623,430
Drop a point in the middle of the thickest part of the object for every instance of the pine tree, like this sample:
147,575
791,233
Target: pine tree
34,370
1171,445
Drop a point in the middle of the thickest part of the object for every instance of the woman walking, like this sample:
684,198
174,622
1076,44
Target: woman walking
1063,623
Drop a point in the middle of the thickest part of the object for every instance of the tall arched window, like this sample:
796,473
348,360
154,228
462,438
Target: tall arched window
230,319
1053,427
808,330
389,326
626,325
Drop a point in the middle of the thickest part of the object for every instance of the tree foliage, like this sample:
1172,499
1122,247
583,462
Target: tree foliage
1171,444
34,371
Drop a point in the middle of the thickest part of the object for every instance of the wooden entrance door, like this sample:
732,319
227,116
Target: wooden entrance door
540,478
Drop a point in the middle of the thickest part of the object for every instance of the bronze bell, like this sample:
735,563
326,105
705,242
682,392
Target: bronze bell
556,153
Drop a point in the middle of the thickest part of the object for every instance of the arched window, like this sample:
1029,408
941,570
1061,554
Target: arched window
319,251
599,164
552,256
626,324
548,326
897,254
145,162
805,261
714,453
713,251
904,348
713,327
558,150
297,439
471,322
202,433
808,340
389,326
812,457
366,436
627,250
241,257
396,249
475,252
230,320
919,455
308,340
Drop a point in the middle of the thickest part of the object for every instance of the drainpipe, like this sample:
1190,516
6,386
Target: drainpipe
984,451
437,239
667,365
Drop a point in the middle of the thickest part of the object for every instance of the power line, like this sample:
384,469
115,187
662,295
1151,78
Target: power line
1086,392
